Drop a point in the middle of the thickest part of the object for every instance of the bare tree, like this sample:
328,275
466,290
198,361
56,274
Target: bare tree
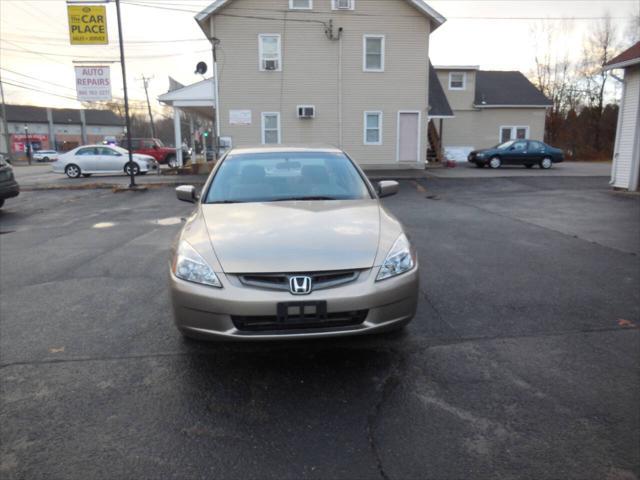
632,33
601,45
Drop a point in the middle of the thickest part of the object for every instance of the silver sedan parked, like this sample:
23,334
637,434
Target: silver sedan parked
90,159
289,243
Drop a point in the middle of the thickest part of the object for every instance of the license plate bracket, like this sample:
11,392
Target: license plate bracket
299,312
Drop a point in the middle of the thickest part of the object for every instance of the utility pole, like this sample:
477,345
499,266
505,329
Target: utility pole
145,82
5,124
215,129
132,176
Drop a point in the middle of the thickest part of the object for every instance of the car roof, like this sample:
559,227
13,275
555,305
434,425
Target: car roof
288,148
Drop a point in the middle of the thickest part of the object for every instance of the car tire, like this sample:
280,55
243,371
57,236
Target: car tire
45,159
479,164
528,165
1,202
136,169
495,162
172,161
546,163
73,171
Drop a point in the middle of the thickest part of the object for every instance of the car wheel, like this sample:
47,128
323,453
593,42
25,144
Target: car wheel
172,161
546,163
136,169
495,162
45,159
86,175
72,171
528,165
479,164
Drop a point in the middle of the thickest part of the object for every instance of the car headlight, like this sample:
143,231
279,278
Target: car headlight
190,266
479,155
400,259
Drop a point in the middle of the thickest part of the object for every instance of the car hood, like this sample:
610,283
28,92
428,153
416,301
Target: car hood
294,236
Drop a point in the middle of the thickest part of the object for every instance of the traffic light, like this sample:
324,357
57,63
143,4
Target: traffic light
206,134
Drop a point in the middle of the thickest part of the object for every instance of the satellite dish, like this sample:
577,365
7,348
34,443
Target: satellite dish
201,68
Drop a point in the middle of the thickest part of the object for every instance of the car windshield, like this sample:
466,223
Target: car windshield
284,176
505,145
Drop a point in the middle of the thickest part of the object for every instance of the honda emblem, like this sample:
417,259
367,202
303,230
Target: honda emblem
300,285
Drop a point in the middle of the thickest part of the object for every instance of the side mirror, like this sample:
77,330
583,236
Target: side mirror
187,193
386,188
155,147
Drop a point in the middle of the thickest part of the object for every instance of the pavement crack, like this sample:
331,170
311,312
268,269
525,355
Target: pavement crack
439,316
386,388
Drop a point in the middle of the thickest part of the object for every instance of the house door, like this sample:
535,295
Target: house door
408,136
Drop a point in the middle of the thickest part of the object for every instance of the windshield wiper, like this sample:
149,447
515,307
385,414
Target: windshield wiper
301,199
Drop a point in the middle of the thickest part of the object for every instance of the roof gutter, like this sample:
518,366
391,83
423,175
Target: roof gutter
513,106
628,63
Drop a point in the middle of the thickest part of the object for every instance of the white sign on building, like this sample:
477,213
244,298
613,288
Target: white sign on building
240,117
93,84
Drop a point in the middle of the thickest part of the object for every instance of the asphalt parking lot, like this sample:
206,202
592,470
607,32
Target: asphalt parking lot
523,360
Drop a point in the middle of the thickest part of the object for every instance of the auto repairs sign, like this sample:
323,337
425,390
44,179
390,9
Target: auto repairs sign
93,84
88,24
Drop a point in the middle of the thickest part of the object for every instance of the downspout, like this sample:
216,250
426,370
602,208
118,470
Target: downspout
216,93
616,144
340,133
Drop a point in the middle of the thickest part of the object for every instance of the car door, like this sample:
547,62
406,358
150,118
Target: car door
110,160
86,159
517,153
536,151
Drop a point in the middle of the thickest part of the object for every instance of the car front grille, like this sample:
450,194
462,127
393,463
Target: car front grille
270,322
280,281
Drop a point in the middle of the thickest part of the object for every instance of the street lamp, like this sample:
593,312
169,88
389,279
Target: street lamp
27,145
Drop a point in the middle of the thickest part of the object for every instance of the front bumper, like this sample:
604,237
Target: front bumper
208,313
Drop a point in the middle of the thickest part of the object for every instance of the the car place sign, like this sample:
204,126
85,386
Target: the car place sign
93,84
88,24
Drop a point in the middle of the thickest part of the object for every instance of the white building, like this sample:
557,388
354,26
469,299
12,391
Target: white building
625,172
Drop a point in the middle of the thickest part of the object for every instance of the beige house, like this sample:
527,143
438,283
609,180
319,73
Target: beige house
351,73
489,107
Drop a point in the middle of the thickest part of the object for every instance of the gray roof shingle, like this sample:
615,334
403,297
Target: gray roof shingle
31,114
438,103
495,88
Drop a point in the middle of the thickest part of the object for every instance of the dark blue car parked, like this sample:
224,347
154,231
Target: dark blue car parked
517,152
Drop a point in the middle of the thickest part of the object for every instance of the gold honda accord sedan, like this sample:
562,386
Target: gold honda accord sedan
289,243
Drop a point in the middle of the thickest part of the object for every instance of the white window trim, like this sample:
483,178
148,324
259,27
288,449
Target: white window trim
260,65
364,52
464,80
292,7
513,130
380,124
333,5
419,156
263,130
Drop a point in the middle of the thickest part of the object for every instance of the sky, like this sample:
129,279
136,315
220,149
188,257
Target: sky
162,39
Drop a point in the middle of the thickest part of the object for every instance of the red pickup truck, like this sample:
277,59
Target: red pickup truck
153,147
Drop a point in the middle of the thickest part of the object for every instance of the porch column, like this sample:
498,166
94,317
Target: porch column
192,128
178,135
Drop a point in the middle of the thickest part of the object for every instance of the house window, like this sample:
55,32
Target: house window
270,52
373,128
457,81
373,53
343,4
513,133
300,4
271,128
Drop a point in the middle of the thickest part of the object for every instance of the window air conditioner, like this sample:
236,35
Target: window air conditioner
270,64
306,112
